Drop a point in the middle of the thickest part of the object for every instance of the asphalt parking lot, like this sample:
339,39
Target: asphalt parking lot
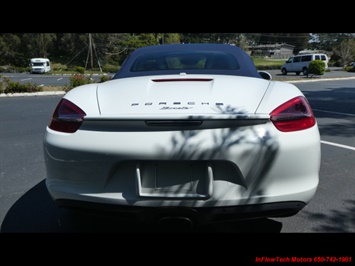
333,73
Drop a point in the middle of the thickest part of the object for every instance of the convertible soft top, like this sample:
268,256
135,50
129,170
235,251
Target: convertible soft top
198,58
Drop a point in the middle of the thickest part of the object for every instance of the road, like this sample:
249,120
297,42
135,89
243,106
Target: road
40,79
64,80
25,204
333,207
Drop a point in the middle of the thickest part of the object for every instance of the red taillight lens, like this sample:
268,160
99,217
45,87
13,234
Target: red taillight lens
67,117
295,114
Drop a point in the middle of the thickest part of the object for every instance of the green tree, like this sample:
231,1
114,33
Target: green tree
345,52
327,41
172,38
37,44
108,46
9,49
227,38
136,40
168,38
191,37
242,41
66,46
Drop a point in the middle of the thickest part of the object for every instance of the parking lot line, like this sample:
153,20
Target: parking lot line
336,113
338,145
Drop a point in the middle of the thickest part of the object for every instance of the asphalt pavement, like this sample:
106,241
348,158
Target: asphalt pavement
333,74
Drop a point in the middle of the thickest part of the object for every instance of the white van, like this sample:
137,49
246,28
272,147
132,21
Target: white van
300,63
40,65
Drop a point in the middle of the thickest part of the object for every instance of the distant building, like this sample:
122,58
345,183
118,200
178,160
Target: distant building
276,51
313,52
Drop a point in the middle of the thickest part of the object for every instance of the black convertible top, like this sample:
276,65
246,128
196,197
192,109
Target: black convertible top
197,58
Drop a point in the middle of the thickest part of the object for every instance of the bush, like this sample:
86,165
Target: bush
104,78
316,67
8,86
349,68
3,69
13,69
110,69
80,70
78,80
1,85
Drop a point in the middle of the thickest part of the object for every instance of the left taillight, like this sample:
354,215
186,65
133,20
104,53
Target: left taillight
67,117
295,114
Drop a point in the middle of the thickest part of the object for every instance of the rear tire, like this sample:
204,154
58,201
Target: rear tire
297,73
305,71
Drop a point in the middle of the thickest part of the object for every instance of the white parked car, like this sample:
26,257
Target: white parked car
300,63
185,130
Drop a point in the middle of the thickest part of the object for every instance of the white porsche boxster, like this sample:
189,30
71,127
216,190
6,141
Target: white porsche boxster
184,130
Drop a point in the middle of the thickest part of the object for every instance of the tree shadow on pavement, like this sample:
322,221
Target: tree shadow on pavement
35,212
336,221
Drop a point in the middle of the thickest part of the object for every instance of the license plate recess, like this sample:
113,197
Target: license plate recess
174,179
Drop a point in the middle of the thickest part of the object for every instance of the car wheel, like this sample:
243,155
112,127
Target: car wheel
284,71
305,71
297,73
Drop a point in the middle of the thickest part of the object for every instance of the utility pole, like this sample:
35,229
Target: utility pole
91,55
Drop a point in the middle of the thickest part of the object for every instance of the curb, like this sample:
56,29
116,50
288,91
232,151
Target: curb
41,93
315,80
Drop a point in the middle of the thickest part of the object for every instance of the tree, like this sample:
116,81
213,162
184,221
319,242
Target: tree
327,41
66,46
37,44
109,46
9,49
226,38
172,38
168,38
112,48
242,41
136,40
345,52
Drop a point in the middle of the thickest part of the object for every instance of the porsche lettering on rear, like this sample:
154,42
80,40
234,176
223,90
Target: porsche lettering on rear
177,103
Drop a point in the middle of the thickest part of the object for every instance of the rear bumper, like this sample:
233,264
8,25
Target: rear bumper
201,216
251,165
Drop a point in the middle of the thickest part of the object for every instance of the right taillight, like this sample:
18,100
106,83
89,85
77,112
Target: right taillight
293,115
67,117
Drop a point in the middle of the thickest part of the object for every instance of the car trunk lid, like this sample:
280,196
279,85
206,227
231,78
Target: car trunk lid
178,96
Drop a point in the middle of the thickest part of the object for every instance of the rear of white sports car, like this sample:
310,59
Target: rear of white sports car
208,147
189,130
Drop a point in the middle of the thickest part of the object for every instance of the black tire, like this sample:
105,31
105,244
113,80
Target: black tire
284,71
305,71
297,73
